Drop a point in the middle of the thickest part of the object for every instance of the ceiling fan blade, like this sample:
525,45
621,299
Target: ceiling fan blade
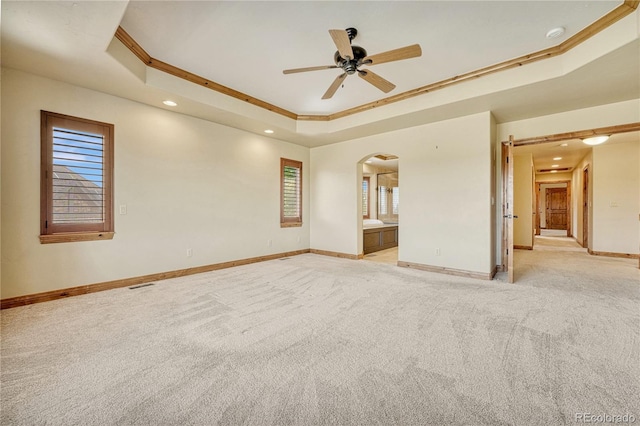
334,86
322,67
376,80
341,39
406,52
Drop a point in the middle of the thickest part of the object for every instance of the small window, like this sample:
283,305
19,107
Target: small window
395,194
76,179
365,197
382,200
290,193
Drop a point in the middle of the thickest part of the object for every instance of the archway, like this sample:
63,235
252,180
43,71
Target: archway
379,207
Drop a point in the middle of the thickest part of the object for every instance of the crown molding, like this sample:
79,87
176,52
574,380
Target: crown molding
628,7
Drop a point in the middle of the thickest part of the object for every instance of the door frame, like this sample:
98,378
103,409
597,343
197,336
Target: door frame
507,209
586,208
538,184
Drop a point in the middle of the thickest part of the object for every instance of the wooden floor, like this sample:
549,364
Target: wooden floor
388,256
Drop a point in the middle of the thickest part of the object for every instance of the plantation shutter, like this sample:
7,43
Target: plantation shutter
382,200
78,177
291,192
365,197
395,199
77,159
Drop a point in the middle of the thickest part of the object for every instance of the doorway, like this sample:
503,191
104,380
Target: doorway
380,204
581,174
553,206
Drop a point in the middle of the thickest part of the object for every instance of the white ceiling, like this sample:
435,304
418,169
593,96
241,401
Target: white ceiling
245,45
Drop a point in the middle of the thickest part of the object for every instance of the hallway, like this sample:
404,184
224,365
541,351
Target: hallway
561,263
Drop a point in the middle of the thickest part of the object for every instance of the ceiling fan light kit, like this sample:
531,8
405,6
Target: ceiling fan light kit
349,58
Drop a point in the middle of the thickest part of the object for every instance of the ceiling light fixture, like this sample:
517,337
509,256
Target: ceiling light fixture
555,32
555,165
269,131
596,140
554,171
564,144
557,158
169,103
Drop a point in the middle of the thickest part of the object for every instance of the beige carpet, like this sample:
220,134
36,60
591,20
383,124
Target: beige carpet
314,340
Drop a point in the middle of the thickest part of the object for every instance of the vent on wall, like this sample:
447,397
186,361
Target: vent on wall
557,169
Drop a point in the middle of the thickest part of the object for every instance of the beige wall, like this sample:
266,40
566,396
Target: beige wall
187,183
615,202
577,200
446,193
523,183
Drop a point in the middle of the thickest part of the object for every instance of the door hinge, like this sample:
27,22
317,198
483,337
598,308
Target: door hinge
507,252
46,224
507,160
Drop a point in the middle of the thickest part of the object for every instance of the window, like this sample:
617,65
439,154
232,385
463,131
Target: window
290,193
382,200
365,196
395,193
76,179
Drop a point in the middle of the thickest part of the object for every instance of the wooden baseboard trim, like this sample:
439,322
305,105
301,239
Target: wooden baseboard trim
29,299
610,254
523,247
494,272
448,271
337,254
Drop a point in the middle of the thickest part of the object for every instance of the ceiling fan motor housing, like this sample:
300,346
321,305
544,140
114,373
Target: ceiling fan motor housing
350,66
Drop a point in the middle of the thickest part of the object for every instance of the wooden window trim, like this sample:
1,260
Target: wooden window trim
62,233
289,222
367,214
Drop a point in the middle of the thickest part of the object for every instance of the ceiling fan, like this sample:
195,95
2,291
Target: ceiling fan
350,58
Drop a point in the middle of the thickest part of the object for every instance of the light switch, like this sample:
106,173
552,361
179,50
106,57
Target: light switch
123,209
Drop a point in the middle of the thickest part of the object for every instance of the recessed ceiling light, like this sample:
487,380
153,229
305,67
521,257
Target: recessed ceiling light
555,32
557,158
554,171
564,144
169,103
596,140
269,131
368,161
555,165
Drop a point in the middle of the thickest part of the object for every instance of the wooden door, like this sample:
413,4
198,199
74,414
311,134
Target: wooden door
556,208
507,208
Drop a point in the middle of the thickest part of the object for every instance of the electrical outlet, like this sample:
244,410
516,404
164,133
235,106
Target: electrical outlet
189,252
438,252
298,239
269,243
123,209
